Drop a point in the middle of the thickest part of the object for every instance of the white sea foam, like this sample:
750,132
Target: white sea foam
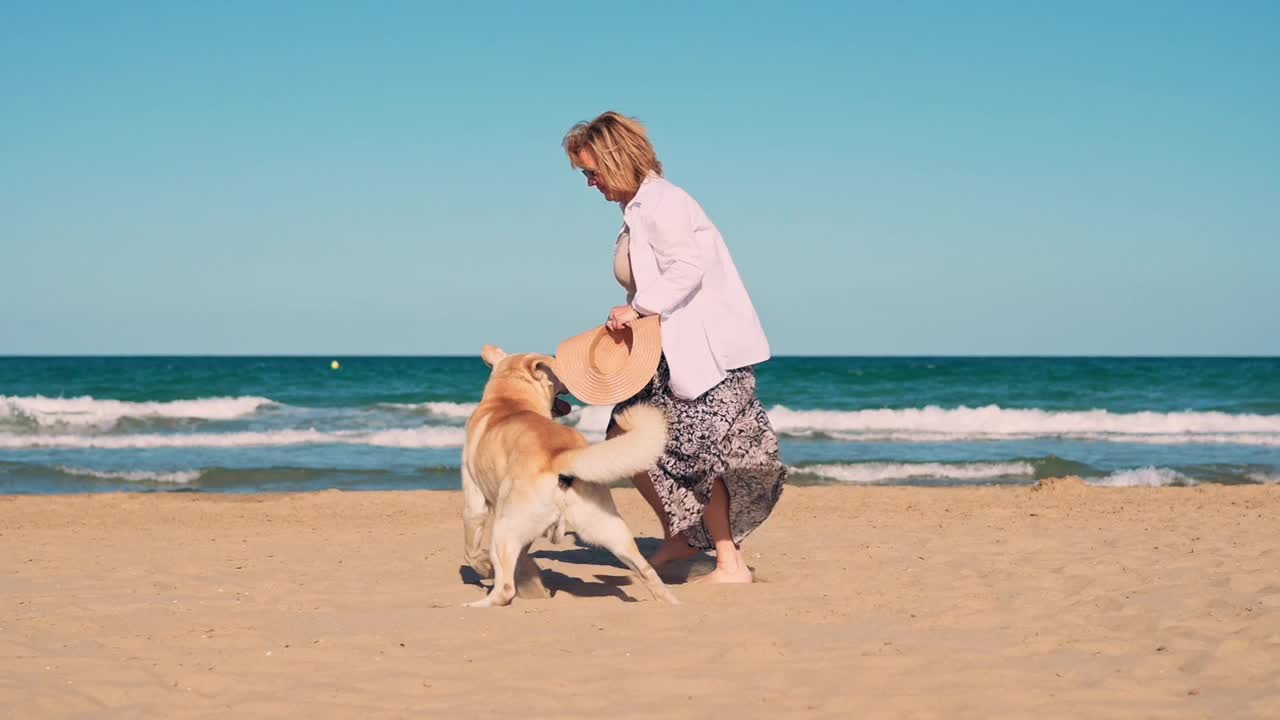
451,410
878,472
422,437
181,477
590,420
937,437
1142,477
935,424
89,412
1266,478
1263,439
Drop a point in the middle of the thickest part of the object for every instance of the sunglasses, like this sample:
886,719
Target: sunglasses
591,175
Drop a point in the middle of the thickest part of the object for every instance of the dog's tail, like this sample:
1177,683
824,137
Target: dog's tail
643,439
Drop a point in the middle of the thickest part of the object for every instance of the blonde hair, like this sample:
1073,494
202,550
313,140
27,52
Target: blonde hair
621,148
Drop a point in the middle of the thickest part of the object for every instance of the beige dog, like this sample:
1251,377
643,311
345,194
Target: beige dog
523,474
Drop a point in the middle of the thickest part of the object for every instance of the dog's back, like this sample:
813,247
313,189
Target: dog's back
507,441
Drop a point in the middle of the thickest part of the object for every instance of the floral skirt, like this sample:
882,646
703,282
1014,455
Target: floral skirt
724,433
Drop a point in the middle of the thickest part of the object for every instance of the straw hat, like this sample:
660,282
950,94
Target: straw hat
603,367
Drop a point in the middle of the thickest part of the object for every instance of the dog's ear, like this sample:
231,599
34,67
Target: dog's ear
492,354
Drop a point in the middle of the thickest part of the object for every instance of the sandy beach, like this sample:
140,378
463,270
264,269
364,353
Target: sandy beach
872,602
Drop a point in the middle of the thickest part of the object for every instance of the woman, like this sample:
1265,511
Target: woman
720,475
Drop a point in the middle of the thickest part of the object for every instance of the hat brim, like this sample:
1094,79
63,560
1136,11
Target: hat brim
593,387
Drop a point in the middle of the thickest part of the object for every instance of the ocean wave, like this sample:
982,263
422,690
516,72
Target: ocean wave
1265,440
28,477
938,437
89,412
879,472
422,437
451,410
936,424
181,477
590,420
1142,477
976,472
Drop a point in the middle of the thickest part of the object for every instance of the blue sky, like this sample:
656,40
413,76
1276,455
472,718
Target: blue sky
892,178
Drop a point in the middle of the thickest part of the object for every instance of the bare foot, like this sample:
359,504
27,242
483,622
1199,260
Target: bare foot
740,574
673,548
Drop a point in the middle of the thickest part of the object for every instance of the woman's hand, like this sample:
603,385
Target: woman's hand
621,316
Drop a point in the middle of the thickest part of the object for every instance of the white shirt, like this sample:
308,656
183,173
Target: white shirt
683,272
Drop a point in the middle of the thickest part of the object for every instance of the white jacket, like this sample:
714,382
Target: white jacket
683,272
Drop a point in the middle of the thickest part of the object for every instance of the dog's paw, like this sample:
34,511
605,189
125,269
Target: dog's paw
493,599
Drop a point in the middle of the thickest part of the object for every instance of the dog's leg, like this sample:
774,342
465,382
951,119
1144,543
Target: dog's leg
503,553
529,578
517,520
556,532
476,524
597,521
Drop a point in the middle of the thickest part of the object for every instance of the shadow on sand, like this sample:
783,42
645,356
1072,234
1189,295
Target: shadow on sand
609,585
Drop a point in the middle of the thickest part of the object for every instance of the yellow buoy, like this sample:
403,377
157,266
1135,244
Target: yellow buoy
334,365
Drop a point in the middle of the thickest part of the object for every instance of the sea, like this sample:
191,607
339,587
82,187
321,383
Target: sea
285,424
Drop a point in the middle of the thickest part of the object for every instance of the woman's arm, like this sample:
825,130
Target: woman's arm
668,229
